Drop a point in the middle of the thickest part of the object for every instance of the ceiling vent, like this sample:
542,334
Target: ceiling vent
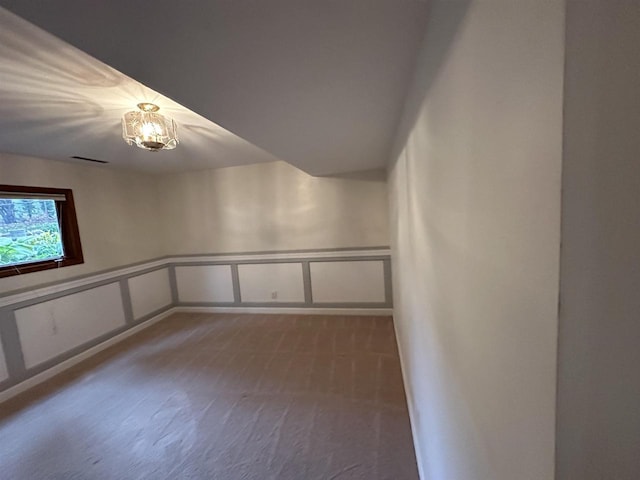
89,159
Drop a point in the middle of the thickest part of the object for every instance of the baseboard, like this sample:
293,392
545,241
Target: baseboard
290,310
413,414
60,367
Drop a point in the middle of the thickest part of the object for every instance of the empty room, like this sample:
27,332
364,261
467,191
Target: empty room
320,240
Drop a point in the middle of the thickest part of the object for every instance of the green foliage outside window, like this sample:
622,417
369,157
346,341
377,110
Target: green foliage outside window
29,231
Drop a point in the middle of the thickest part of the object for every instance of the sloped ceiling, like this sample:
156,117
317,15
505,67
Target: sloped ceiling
319,84
57,102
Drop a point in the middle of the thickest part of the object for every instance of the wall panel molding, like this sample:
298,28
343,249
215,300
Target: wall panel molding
149,292
279,310
53,288
51,328
271,283
201,283
58,325
359,281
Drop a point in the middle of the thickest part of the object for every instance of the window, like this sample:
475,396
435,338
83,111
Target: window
38,229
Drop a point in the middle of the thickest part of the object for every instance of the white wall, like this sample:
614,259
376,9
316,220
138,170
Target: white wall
117,211
475,217
599,344
271,206
51,328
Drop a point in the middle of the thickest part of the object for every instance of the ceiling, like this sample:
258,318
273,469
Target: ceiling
319,84
57,102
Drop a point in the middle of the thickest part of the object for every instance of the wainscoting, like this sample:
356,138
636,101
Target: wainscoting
46,330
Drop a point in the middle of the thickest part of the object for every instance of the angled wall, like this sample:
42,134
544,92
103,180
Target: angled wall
475,233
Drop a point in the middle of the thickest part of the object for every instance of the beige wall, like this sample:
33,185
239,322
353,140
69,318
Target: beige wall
271,206
475,233
599,344
117,214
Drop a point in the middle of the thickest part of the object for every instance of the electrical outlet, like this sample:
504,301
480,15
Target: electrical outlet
274,294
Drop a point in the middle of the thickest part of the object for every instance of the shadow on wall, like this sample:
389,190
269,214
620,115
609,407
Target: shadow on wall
378,175
440,40
434,52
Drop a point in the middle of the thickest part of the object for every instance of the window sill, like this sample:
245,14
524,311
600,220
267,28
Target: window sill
12,270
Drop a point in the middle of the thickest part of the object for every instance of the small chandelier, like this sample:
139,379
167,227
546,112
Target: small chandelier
147,129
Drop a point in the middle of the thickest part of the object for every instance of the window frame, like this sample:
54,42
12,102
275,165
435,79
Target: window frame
69,232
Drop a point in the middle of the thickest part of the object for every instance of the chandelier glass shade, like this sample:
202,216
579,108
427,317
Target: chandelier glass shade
146,128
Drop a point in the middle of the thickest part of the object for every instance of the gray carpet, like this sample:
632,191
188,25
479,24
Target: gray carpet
228,397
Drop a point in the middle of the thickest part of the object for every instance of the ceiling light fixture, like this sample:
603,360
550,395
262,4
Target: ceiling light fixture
147,129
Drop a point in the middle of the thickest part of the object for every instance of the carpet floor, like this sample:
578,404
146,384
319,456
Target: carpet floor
226,397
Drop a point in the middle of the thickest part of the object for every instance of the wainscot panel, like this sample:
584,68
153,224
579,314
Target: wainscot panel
271,282
149,292
205,283
359,281
51,328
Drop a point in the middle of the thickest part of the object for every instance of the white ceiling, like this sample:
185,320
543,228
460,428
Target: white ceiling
317,83
57,102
